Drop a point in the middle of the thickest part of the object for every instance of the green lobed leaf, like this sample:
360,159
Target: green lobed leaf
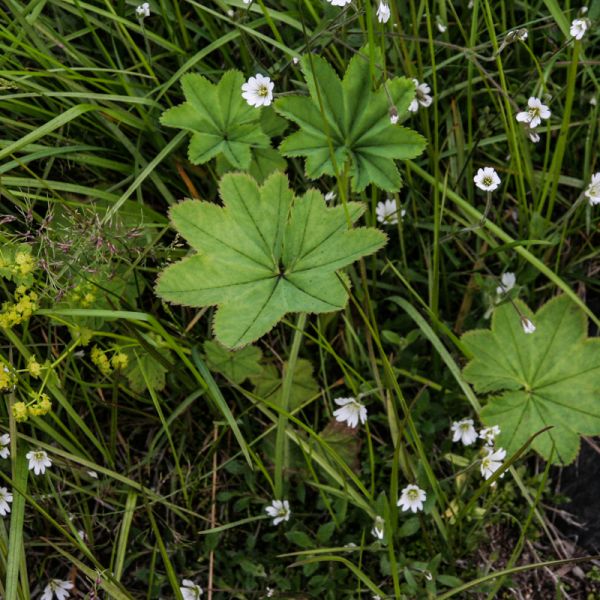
236,366
269,382
146,370
548,378
221,121
265,253
352,121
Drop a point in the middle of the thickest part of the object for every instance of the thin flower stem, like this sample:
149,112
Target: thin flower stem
281,442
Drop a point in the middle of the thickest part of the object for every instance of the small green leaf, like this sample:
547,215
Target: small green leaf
221,121
348,117
300,539
265,253
236,366
343,440
325,532
146,370
551,377
268,384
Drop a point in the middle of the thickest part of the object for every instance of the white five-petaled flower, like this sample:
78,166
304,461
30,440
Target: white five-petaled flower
487,179
5,499
507,283
143,10
528,326
387,212
279,510
492,461
592,192
535,112
578,28
488,434
464,431
190,590
58,588
5,445
258,91
351,411
339,2
383,12
38,461
378,528
422,97
412,498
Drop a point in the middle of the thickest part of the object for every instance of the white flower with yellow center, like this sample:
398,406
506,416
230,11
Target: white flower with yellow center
487,179
4,445
383,12
488,434
578,28
387,212
536,111
5,499
422,97
258,91
190,590
412,498
279,510
351,411
592,192
492,461
463,431
143,10
57,588
38,461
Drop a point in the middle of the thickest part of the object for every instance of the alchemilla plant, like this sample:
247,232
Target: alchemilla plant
299,301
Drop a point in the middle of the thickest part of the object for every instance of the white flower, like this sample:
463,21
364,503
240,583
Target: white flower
279,510
492,461
92,474
387,212
190,590
296,60
487,179
578,28
247,1
488,434
5,499
378,528
329,196
143,10
507,283
535,113
376,597
592,192
4,445
412,498
383,12
38,461
351,411
534,136
522,34
258,91
464,432
593,101
57,588
442,27
339,2
528,326
422,97
394,118
230,12
270,592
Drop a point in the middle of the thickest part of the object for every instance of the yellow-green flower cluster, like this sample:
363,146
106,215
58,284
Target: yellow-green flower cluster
14,313
82,294
39,405
7,378
118,361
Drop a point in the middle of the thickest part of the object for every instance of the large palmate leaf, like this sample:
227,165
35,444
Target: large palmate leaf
220,120
551,377
353,121
263,254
